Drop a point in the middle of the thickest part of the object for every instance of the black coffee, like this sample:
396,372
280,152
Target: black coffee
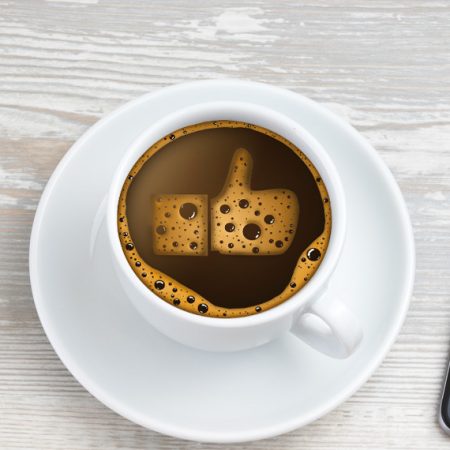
224,219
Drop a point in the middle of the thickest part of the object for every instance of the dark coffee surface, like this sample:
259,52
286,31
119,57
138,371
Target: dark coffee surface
198,163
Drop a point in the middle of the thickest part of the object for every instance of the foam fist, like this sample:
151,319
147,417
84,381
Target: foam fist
242,221
247,222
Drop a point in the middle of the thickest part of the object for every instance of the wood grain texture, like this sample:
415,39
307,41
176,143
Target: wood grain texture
382,65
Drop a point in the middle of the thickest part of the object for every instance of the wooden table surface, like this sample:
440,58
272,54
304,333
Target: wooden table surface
382,65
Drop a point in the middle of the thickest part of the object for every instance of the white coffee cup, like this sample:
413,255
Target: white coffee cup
314,314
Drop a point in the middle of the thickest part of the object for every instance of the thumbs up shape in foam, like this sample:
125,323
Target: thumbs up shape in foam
246,222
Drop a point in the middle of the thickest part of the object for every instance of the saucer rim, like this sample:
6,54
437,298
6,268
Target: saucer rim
205,435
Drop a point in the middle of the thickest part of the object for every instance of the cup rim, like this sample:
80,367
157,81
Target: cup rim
257,115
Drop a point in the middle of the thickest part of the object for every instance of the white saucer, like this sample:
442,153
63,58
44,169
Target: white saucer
191,394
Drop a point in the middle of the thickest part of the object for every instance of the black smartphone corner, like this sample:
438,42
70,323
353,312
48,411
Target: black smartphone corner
444,410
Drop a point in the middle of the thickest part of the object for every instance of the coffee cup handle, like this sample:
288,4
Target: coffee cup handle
329,327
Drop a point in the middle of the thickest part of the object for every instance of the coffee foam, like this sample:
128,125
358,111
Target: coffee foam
180,224
181,296
248,222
